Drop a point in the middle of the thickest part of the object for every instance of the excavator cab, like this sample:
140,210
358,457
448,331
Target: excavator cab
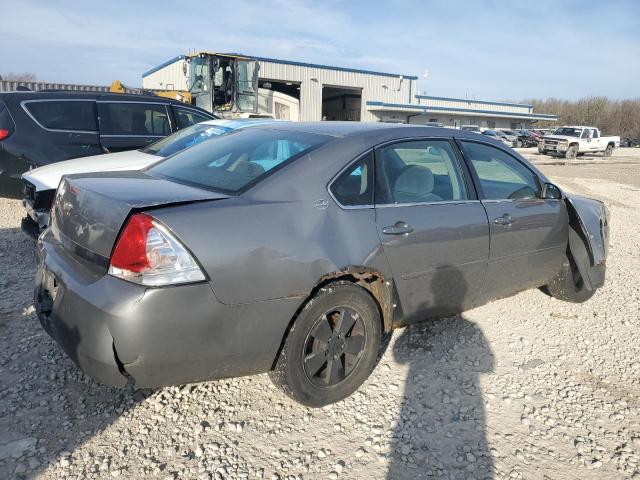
221,82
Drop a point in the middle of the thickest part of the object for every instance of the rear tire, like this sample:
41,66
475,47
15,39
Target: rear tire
572,152
608,151
332,347
568,285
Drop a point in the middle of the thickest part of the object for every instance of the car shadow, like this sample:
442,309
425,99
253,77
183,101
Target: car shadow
48,407
441,431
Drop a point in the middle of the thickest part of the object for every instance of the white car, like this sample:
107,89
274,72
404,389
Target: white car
40,184
574,141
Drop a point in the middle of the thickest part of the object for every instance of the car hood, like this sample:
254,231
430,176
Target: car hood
560,137
48,177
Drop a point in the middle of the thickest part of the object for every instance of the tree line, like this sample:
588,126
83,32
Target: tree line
612,117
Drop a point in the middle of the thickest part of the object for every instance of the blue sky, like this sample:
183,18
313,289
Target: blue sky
501,50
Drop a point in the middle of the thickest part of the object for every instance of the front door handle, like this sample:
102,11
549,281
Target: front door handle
505,220
400,228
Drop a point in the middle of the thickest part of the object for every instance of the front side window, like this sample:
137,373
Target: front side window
64,115
187,117
236,160
121,118
354,187
585,133
418,172
501,176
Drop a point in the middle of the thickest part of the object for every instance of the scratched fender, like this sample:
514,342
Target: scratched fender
588,237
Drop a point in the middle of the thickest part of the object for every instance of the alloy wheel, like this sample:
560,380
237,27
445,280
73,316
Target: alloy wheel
334,347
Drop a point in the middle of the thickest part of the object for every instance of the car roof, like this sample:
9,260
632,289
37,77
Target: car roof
380,131
340,129
69,94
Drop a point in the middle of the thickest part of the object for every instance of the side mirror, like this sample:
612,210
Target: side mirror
551,192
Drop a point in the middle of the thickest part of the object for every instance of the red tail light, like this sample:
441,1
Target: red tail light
147,253
131,249
4,133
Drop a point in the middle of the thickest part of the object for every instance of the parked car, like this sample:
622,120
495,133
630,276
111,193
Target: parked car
40,184
501,138
273,249
519,139
630,142
573,141
511,139
39,128
470,128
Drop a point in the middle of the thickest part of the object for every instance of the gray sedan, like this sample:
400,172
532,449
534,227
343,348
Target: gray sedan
294,248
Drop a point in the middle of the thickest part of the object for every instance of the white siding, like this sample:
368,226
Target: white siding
374,87
169,77
475,104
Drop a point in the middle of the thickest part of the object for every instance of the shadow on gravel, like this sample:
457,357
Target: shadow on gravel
48,407
441,432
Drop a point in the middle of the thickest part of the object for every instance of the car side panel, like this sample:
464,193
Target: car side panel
278,250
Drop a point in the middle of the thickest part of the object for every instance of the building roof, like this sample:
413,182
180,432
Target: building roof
485,102
294,63
413,107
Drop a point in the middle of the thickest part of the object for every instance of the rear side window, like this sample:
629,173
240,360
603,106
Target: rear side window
187,117
237,160
125,119
354,187
78,115
6,122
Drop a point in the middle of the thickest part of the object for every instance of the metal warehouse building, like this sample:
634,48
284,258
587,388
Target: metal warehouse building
339,93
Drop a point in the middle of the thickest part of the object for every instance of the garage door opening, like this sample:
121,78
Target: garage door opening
340,103
279,99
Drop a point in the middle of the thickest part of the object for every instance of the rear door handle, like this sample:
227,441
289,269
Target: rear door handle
400,228
505,220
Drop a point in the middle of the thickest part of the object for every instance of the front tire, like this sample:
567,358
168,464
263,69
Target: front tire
572,152
568,284
332,347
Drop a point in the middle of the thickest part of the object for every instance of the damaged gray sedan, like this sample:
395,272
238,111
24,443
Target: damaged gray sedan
293,248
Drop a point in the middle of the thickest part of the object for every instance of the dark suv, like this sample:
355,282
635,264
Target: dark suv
38,128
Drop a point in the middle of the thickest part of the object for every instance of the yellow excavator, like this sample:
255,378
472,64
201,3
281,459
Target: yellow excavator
222,83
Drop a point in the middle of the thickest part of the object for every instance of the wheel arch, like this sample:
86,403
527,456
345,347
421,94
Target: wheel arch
381,289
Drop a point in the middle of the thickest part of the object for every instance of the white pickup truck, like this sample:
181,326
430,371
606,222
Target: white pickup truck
574,141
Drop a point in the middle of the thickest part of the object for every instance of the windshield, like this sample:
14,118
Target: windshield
237,160
568,132
185,138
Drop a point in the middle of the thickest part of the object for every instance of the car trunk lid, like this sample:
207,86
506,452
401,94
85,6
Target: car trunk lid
89,210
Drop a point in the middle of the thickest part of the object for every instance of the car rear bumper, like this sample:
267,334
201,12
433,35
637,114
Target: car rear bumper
158,336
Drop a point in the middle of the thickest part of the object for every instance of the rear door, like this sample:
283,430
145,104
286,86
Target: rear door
528,234
433,229
69,126
129,125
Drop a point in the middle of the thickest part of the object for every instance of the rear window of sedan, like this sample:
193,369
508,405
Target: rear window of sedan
237,160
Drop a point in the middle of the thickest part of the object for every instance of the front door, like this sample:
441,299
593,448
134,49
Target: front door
433,229
132,125
528,234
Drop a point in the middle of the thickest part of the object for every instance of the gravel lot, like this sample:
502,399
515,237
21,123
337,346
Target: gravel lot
525,387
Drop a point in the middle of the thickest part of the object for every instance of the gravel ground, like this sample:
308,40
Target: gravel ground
525,387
